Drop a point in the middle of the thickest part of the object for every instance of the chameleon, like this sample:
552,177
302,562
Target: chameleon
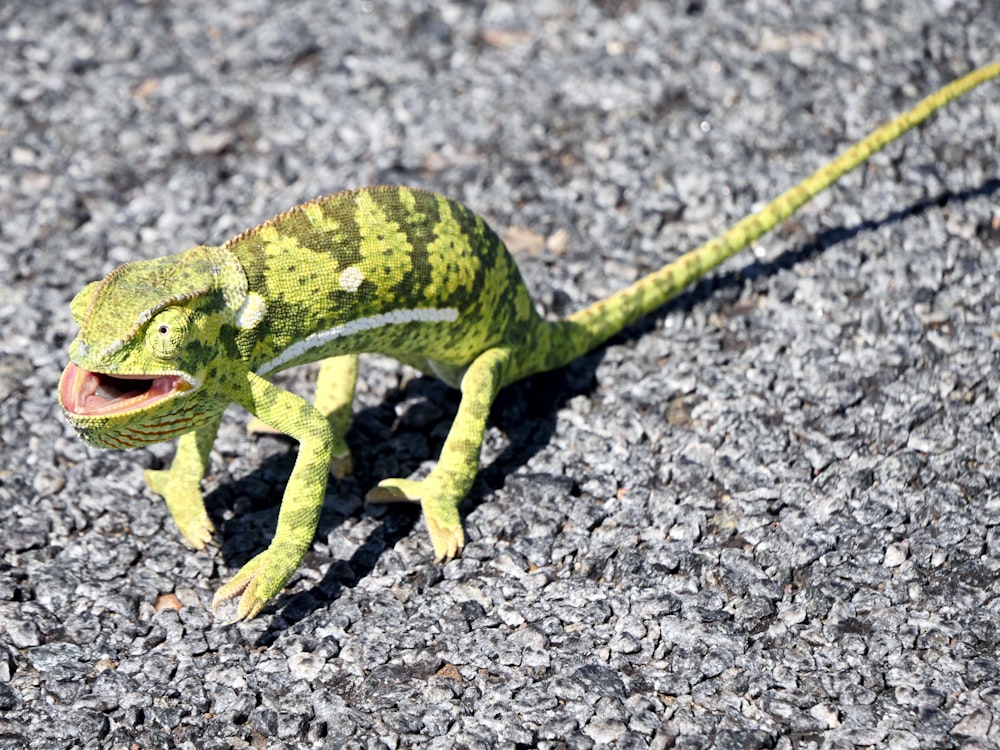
165,345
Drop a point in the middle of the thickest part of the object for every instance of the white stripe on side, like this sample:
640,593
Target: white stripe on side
394,317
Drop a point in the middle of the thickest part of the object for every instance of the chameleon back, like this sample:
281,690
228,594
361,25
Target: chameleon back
391,269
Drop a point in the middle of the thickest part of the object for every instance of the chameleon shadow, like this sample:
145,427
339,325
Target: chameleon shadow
835,235
385,444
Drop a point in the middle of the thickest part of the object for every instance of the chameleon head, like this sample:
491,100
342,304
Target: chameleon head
147,365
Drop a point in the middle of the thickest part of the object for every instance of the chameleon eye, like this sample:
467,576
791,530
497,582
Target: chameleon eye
168,333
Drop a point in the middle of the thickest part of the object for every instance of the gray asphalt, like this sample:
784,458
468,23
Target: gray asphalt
767,517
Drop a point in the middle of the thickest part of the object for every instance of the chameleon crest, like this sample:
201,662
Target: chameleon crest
165,345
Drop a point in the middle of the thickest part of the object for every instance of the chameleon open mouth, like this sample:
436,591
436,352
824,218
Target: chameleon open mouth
91,394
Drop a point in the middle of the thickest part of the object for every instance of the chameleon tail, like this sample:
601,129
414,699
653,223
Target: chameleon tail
586,329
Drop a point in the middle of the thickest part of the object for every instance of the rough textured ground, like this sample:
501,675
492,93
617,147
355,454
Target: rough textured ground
768,517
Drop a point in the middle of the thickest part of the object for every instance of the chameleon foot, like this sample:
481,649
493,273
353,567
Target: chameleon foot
440,511
257,583
186,506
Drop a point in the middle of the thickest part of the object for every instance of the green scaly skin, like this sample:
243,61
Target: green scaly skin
166,344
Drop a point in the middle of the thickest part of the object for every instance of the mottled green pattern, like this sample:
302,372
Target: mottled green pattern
388,269
405,250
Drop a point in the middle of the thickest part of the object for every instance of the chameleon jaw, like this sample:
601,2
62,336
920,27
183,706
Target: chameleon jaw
94,394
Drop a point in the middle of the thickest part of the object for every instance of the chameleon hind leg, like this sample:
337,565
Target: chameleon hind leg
334,399
180,485
440,493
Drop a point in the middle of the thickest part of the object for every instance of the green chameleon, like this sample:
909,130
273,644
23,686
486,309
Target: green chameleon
166,345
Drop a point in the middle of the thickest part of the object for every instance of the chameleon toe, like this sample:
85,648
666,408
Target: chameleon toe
256,583
395,491
448,541
440,507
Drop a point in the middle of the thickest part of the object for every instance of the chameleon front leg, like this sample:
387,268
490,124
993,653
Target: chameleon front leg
266,574
334,399
440,493
180,485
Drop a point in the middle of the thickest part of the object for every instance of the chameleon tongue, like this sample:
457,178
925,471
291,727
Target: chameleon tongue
87,393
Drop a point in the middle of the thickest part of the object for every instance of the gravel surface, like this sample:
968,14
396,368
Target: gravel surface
767,517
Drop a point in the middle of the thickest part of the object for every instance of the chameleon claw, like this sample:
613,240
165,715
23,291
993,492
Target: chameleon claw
229,592
256,583
440,512
448,542
199,535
